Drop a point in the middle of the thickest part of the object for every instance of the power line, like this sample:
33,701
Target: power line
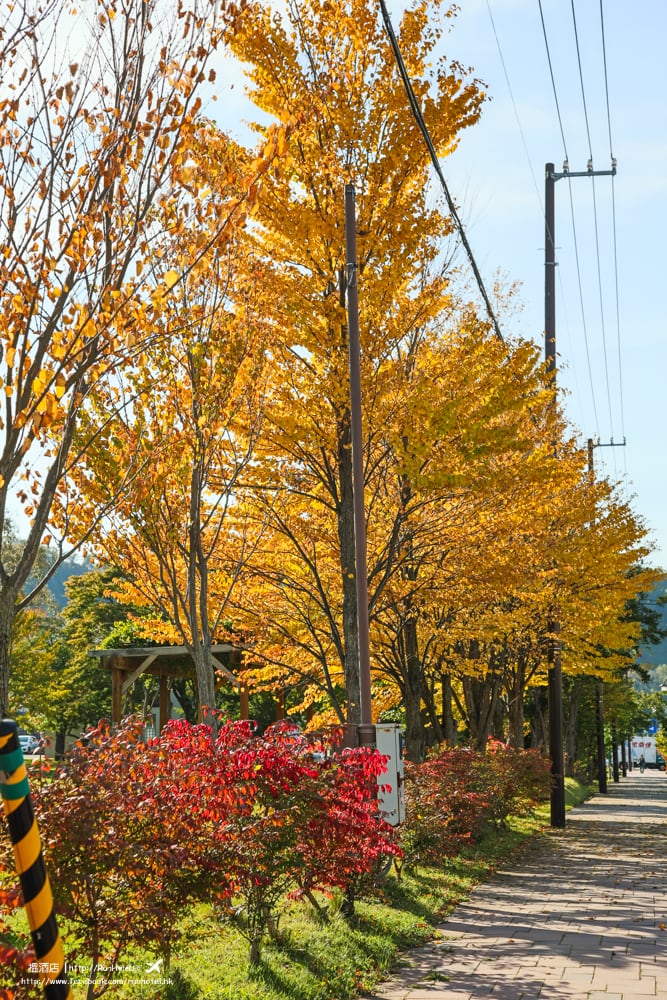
583,311
613,214
553,81
572,216
606,80
602,319
572,207
419,118
595,218
516,112
581,79
540,200
618,312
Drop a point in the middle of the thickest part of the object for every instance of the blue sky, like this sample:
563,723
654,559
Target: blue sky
614,373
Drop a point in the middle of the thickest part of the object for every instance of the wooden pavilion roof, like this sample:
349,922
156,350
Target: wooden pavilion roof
161,661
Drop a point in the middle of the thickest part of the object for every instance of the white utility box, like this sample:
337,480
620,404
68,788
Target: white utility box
389,742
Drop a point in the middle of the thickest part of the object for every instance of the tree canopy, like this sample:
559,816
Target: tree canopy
195,400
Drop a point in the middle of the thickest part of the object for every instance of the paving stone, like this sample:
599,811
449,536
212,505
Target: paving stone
578,918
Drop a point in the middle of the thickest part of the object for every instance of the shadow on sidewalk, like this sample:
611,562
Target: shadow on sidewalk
582,911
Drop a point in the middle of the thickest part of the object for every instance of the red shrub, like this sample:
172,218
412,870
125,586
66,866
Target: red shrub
16,953
122,853
134,832
456,793
345,839
281,813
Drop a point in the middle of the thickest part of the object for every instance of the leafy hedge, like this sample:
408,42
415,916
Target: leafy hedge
456,795
136,832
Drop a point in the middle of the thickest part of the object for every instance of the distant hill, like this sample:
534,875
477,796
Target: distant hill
62,574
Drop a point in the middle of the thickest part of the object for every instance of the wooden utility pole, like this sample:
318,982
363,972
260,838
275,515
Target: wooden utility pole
599,702
555,673
553,625
366,729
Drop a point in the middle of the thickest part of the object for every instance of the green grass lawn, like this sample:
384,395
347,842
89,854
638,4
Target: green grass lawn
337,959
313,960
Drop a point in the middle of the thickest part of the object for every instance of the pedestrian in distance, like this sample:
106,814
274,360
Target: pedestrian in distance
642,764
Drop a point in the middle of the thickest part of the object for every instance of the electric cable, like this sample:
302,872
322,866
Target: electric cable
602,319
581,80
553,81
419,118
516,111
615,241
606,79
583,310
572,210
540,200
618,316
572,215
595,222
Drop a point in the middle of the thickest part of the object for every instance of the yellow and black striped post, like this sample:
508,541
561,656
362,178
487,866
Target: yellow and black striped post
37,896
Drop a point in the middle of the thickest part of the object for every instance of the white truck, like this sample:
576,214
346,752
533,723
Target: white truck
646,745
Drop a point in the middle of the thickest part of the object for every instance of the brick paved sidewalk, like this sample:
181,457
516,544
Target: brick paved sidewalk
579,919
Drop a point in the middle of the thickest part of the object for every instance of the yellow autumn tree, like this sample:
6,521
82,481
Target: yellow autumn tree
589,575
254,519
469,455
98,110
456,466
194,412
333,67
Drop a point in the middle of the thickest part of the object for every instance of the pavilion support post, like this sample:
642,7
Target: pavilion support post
236,665
116,695
164,701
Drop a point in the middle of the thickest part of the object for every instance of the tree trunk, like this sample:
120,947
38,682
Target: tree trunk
415,737
498,722
428,697
540,722
347,908
348,569
448,724
197,592
255,950
515,706
614,750
205,673
415,741
481,697
7,615
188,704
571,717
